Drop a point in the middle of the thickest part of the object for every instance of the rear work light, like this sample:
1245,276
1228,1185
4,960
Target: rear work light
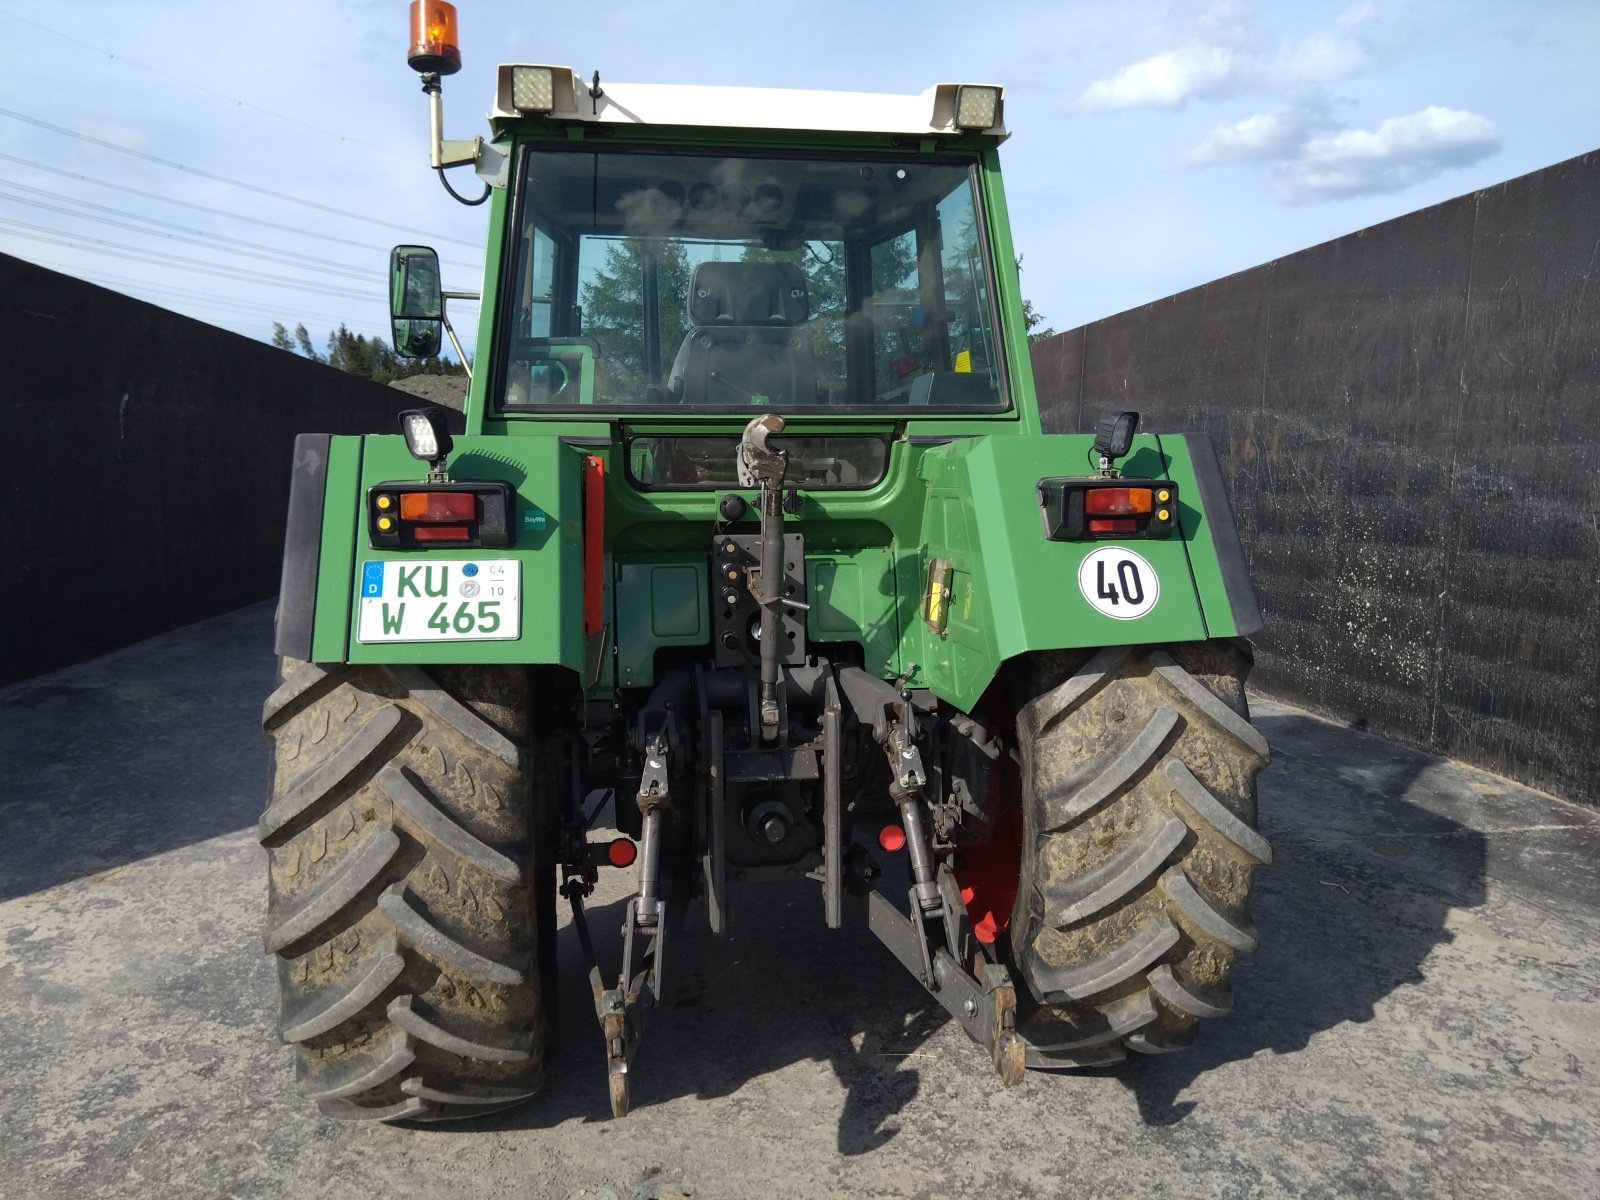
462,512
1075,509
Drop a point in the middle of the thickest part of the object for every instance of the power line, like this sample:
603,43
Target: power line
212,299
196,171
55,237
200,237
126,61
206,302
477,268
205,299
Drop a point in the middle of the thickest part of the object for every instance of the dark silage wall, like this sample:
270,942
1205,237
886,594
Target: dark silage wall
147,465
1408,418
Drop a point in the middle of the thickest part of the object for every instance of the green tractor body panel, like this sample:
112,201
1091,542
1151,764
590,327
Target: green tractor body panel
971,501
959,487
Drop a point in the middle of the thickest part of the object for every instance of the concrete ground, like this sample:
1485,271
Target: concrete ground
1421,1019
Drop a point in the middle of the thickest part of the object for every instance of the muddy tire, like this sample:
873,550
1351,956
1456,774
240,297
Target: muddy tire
401,909
1138,771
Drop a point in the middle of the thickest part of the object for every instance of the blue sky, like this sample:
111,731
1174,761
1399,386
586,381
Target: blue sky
280,148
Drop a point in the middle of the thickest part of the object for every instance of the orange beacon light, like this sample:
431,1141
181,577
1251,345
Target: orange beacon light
434,47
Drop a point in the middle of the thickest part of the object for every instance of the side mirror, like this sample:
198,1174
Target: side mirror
416,301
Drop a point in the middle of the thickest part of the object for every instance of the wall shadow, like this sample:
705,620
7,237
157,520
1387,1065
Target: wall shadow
140,752
1349,911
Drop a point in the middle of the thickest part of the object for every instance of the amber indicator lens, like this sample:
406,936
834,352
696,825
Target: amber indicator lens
438,506
1117,502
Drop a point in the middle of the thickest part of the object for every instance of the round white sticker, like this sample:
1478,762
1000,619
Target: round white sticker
1119,583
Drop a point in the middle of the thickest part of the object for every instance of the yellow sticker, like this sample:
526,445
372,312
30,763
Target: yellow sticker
964,363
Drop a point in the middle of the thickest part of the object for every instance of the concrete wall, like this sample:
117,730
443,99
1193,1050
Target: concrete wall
1410,418
146,465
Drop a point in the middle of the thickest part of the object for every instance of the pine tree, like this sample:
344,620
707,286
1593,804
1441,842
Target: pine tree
613,312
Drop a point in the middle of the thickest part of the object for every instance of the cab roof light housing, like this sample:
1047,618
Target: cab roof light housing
536,89
977,106
533,89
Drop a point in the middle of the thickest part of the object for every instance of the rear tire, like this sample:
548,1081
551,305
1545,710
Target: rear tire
401,907
1138,771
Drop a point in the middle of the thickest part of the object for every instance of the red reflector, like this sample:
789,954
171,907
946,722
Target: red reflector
1113,502
621,853
440,533
891,838
438,506
1113,525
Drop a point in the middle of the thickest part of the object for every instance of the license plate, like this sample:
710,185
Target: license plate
440,601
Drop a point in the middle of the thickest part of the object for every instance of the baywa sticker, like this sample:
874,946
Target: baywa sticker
1119,583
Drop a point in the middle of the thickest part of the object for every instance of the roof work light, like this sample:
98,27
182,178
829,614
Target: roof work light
533,89
434,47
977,106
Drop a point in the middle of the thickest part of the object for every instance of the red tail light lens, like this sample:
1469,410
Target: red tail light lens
441,533
1113,525
621,852
438,506
1110,502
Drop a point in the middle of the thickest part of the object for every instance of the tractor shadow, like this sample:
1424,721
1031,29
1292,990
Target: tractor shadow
1356,899
779,990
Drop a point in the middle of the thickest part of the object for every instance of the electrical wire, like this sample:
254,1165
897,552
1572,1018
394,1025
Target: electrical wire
487,190
288,258
212,175
115,282
129,286
126,61
476,268
42,233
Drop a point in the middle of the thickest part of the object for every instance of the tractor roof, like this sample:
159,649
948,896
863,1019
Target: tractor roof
527,90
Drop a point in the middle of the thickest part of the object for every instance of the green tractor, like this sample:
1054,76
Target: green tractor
754,534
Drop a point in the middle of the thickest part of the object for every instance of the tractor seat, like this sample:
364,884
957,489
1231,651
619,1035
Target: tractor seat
747,337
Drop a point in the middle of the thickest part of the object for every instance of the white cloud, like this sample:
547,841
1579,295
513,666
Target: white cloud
1323,57
1270,135
1166,80
1357,15
1400,152
1223,53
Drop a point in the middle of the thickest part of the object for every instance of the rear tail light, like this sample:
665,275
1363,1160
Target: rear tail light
1096,508
1105,501
463,512
438,506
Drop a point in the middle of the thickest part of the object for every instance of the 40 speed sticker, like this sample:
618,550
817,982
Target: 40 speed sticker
1119,583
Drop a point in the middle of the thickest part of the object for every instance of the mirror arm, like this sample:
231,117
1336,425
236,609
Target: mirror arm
444,314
